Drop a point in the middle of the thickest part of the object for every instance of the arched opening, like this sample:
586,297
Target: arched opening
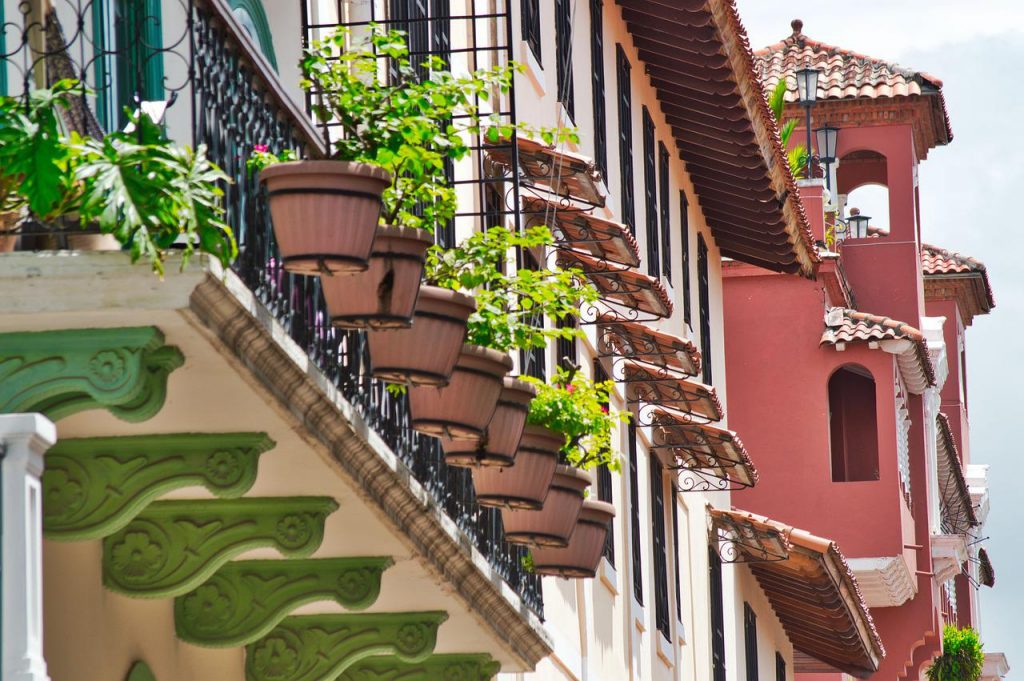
853,424
871,200
862,178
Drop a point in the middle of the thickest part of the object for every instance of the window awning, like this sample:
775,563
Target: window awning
634,340
716,457
957,509
661,386
986,573
812,591
577,228
620,286
564,173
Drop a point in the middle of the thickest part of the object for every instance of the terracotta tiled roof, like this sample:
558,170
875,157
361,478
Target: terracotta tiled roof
843,325
847,75
699,61
950,275
812,590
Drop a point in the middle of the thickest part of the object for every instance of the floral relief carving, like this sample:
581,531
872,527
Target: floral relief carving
137,556
107,369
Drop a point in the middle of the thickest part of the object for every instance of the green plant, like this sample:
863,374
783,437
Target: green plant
577,407
140,187
412,119
797,156
508,305
962,657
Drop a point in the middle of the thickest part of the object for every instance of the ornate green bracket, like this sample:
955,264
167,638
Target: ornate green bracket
246,599
322,647
60,373
172,547
93,487
434,668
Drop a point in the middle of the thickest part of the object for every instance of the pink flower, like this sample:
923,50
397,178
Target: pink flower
260,148
570,389
604,410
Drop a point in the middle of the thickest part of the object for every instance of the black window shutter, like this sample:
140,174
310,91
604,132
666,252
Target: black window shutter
684,236
651,198
717,616
666,227
662,617
597,85
750,641
634,516
563,40
622,70
704,295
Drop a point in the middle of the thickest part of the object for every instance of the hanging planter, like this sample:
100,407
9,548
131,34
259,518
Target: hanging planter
463,408
553,524
425,353
578,560
499,443
526,483
324,213
384,296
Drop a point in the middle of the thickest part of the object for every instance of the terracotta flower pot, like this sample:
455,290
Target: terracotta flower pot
384,296
8,236
463,408
325,213
499,443
553,524
425,353
524,484
581,557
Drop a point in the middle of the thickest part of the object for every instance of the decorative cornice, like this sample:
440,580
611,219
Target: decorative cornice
885,581
93,487
322,647
434,668
244,600
59,373
172,547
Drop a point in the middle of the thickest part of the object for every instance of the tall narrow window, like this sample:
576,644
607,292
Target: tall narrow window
853,424
717,616
133,31
567,355
750,641
532,362
531,26
411,16
441,29
651,198
780,667
662,617
597,85
666,227
563,43
704,296
634,516
622,69
675,556
684,236
604,478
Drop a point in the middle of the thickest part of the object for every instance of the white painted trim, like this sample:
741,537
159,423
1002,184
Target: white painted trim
534,71
608,576
884,581
666,651
24,438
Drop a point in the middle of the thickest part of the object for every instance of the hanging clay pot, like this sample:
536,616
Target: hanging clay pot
553,524
463,408
425,353
578,560
325,213
384,296
499,443
524,484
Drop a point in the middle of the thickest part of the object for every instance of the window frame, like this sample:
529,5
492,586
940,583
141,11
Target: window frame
530,19
662,613
675,554
704,299
717,619
625,108
684,237
604,478
563,48
750,642
651,196
634,514
597,86
666,218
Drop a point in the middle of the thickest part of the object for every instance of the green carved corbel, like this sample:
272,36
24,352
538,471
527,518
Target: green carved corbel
172,547
93,487
434,668
245,599
59,373
322,647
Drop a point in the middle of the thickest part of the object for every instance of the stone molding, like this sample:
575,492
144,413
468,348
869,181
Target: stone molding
884,582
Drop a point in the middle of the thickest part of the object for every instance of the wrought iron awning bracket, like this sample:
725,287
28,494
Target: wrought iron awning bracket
735,548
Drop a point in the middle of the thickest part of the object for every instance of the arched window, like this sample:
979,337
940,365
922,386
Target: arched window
853,425
253,18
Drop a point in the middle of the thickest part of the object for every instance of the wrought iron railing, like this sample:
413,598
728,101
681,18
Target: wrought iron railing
236,103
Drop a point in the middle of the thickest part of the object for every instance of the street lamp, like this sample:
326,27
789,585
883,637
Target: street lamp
858,224
827,137
807,95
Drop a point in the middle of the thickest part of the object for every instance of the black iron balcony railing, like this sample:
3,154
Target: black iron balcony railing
236,103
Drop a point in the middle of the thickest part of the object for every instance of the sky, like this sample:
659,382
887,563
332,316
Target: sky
968,194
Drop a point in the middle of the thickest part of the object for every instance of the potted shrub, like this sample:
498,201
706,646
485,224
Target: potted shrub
506,305
577,407
400,127
962,656
138,187
580,558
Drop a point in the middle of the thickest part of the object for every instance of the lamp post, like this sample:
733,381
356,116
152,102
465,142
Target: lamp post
807,95
858,224
827,138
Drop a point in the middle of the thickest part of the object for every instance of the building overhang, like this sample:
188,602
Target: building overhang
811,589
885,582
995,667
949,553
955,500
